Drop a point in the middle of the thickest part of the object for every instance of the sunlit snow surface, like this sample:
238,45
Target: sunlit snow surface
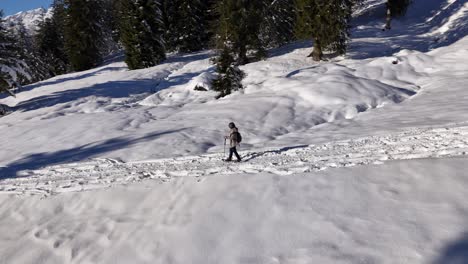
361,159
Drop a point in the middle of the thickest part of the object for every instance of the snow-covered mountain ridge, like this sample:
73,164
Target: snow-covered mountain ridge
29,18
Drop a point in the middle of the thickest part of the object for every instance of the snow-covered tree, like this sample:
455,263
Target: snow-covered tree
50,40
83,33
239,28
141,33
186,24
237,37
110,27
191,25
278,22
12,68
229,75
327,22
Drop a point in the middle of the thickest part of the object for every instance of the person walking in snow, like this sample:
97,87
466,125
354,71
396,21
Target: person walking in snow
234,140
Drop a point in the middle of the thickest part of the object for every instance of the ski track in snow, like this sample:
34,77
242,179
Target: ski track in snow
104,173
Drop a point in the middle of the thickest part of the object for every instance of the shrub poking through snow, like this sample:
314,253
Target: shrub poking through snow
200,88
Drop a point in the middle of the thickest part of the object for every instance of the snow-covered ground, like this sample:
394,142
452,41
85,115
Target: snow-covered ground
401,212
355,160
104,173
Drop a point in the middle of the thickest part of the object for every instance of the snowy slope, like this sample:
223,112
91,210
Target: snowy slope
30,18
354,160
400,212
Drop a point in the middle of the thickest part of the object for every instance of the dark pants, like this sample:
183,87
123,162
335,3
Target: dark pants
233,150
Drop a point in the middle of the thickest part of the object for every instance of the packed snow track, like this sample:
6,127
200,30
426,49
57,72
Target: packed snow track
104,173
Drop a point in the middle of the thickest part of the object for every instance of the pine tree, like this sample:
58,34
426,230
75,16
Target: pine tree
229,75
83,33
186,24
50,40
238,36
327,22
170,14
11,66
278,25
110,27
191,26
35,70
141,32
211,17
239,27
395,8
6,57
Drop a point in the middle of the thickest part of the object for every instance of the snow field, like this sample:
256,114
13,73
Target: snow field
105,173
411,211
354,160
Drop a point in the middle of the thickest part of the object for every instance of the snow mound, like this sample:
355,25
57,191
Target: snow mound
186,85
288,92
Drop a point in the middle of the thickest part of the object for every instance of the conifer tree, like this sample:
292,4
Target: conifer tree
327,22
239,27
170,14
34,69
229,75
395,8
11,67
141,32
278,23
83,33
186,24
211,17
237,36
191,25
50,40
110,27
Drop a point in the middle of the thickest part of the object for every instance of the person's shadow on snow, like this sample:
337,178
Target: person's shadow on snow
455,253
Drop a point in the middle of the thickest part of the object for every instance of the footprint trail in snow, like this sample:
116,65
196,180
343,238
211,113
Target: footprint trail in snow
104,173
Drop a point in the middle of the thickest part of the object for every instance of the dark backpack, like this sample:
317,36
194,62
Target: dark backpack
238,137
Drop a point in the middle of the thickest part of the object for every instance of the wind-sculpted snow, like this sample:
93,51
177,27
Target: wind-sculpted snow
104,173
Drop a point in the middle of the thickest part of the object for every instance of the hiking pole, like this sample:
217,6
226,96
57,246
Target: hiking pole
224,148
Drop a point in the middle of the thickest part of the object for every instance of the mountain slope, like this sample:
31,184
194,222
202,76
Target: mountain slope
29,18
360,159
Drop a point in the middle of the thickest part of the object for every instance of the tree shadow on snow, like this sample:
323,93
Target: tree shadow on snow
288,48
40,160
62,79
455,253
112,89
190,57
133,87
